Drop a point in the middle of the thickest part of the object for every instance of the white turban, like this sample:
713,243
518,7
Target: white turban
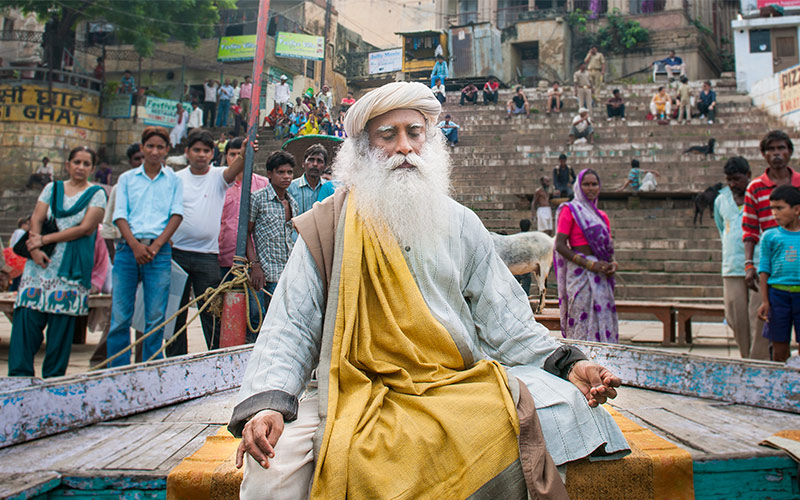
397,95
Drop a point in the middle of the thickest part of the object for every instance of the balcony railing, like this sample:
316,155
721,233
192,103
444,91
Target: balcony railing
21,36
24,73
509,15
597,8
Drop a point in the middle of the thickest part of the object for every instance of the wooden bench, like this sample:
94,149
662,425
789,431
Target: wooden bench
663,311
685,312
97,300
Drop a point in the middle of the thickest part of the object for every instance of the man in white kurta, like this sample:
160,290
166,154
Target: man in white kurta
462,280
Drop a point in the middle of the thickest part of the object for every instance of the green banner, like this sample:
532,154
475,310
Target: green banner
300,46
237,48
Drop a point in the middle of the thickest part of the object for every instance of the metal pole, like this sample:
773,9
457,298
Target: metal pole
325,41
252,126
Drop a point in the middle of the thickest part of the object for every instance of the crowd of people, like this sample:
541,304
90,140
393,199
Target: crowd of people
759,279
138,231
312,114
149,224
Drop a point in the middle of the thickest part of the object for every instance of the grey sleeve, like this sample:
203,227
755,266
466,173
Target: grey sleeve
288,346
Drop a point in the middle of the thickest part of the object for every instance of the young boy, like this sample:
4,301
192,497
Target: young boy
271,211
637,181
779,272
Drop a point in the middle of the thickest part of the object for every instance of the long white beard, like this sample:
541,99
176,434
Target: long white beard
409,202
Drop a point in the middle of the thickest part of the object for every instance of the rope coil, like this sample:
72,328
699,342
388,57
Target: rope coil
212,300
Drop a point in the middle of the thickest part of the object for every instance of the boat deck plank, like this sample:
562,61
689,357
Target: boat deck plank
156,441
704,427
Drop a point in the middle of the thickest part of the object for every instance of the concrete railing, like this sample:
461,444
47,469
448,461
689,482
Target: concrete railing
10,74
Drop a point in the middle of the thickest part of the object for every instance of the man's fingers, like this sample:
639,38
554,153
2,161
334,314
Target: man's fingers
249,437
274,434
240,450
260,431
593,374
609,379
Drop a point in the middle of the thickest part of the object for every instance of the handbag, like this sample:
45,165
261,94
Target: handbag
48,226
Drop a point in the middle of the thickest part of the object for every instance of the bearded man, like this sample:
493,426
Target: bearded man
423,344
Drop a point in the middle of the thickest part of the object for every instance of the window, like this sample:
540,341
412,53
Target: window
647,6
760,41
8,25
310,67
550,4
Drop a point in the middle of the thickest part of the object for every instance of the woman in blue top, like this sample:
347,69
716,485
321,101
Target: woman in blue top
55,284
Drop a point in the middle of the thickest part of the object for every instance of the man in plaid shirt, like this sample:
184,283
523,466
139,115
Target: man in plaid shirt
271,212
776,148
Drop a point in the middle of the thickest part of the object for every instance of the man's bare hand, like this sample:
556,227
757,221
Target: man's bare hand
259,437
751,279
257,278
141,253
595,382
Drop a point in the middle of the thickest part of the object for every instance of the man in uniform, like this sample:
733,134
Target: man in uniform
424,345
596,64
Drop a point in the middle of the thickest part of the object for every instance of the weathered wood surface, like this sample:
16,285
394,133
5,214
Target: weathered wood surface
27,485
32,408
127,451
757,383
132,452
152,442
47,407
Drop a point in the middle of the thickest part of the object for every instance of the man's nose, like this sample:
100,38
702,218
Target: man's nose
403,144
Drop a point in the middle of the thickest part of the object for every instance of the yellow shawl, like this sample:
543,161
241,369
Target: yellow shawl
406,418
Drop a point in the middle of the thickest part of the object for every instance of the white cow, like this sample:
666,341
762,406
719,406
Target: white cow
527,252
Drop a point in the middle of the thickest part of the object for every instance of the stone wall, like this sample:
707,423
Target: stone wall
36,121
552,37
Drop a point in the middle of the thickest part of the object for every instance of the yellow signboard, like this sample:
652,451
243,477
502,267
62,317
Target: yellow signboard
789,83
32,103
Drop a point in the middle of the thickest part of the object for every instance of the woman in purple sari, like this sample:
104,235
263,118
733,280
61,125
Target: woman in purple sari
584,263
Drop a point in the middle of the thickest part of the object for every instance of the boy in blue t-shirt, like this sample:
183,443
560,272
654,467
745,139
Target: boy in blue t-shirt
779,271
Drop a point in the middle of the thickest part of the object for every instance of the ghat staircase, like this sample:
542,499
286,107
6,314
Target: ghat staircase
497,164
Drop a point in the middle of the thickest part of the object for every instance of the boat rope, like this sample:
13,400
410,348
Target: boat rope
211,298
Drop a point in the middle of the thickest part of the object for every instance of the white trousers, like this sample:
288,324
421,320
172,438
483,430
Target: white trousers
291,471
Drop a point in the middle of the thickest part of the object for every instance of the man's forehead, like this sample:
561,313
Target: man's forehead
397,118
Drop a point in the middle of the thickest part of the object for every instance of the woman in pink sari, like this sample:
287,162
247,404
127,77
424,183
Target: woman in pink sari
585,267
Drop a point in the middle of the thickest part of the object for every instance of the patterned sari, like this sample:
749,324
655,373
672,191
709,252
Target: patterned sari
586,299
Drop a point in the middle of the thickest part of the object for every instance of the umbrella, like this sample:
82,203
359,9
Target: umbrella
297,147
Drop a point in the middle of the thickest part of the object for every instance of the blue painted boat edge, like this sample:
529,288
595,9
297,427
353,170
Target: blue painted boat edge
87,485
37,491
746,478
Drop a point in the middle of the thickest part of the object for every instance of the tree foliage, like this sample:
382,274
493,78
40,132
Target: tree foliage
618,35
142,23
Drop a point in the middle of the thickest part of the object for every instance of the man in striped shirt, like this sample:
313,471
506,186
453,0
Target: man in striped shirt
776,148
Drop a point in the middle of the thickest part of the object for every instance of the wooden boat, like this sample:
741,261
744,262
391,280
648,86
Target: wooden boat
118,433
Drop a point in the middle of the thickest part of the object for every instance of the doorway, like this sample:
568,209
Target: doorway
784,49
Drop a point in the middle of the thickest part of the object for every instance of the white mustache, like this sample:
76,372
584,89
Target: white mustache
396,160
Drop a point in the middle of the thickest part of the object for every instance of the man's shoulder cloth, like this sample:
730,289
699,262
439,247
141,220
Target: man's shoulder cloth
317,227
